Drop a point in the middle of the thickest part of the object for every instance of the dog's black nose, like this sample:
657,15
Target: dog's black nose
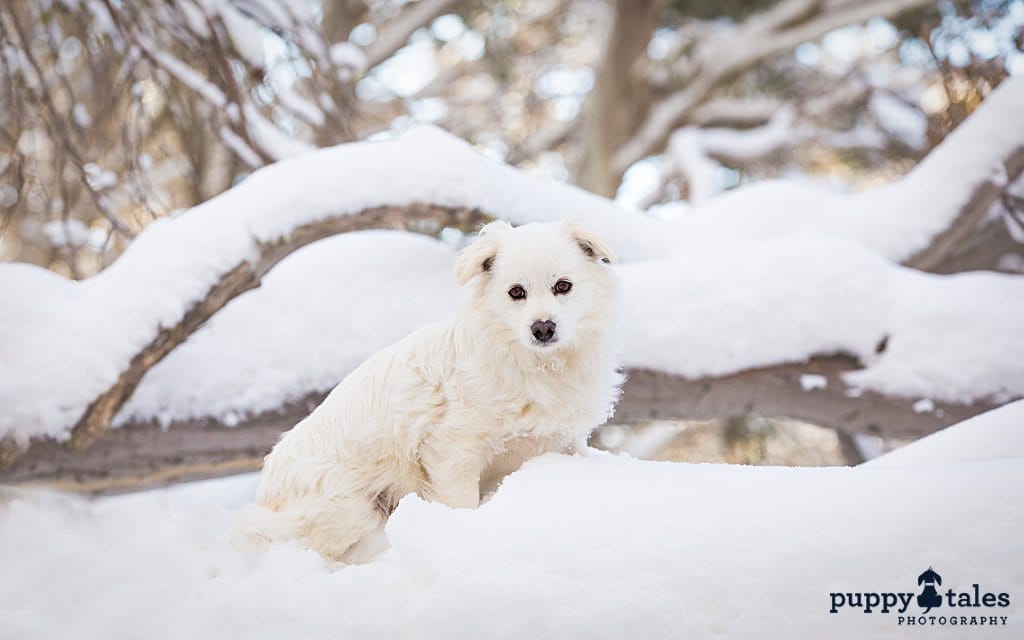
543,330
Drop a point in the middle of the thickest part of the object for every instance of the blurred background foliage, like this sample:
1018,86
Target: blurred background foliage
114,114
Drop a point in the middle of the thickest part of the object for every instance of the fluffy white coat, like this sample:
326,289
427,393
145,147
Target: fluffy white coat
449,410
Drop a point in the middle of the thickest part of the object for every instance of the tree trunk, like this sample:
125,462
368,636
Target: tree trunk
620,96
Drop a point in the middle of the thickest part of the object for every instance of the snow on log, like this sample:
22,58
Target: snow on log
902,221
765,275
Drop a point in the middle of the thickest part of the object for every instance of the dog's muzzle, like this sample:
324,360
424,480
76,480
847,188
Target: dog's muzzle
543,330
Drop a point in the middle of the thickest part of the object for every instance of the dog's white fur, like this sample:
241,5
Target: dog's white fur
456,405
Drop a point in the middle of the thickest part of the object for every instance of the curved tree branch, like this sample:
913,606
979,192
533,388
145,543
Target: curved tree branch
396,32
243,277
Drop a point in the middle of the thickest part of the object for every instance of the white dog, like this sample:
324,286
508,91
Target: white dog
526,366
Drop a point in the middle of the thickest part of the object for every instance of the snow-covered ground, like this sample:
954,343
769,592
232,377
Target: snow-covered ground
776,272
568,547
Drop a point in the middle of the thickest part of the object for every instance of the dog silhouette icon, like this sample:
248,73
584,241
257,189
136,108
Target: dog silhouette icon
929,598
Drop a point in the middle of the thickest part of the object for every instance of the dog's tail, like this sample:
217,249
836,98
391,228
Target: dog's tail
256,526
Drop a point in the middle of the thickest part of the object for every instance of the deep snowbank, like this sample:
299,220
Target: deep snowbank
605,547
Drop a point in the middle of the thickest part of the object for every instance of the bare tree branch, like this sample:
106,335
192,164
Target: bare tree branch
396,32
774,31
543,140
61,129
776,392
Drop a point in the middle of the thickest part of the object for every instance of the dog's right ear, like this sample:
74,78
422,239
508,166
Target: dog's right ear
592,245
478,257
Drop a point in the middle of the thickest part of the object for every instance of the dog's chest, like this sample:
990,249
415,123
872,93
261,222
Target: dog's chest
535,402
531,417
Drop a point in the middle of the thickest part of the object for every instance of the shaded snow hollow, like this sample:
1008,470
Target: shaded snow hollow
770,273
568,547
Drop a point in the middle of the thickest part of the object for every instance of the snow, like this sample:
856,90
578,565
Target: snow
896,220
61,233
410,69
271,139
73,339
689,157
995,435
951,338
80,116
779,132
246,35
300,106
810,382
195,18
248,360
771,273
348,56
183,73
900,119
924,405
600,547
240,147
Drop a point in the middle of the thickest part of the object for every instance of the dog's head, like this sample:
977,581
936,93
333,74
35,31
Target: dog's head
546,284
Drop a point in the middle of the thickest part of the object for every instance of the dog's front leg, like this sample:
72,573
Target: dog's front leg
453,477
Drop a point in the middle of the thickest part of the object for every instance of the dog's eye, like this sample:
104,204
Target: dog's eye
562,286
517,293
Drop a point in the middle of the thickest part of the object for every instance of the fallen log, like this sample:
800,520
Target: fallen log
145,455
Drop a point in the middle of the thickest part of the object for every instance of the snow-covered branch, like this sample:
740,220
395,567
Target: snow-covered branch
396,32
698,154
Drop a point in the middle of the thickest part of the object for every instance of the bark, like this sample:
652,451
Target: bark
620,94
776,392
339,17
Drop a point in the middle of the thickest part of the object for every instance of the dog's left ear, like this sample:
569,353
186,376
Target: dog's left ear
592,245
478,257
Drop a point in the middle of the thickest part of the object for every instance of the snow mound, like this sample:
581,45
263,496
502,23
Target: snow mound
603,547
994,435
